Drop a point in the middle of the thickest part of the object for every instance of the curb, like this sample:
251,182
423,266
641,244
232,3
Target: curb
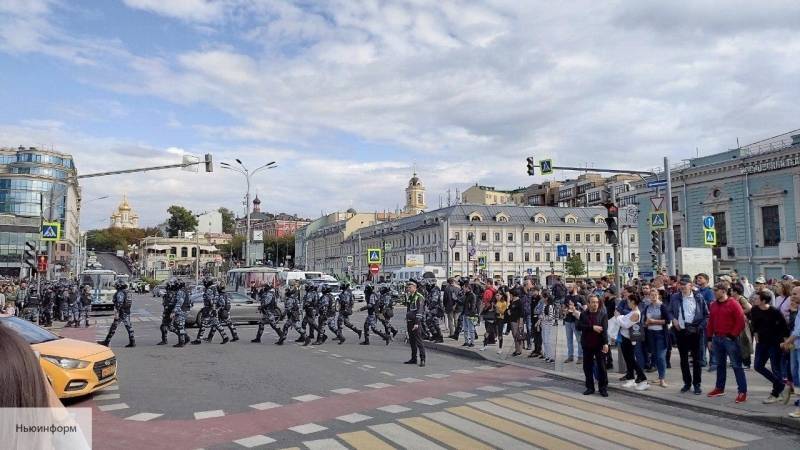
768,419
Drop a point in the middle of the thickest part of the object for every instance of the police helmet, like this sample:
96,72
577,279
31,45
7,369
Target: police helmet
326,289
119,284
384,290
344,285
208,282
221,287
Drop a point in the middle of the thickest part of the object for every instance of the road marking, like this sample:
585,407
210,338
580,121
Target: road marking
430,401
572,434
255,441
307,398
324,444
518,431
348,363
335,355
308,428
105,397
609,434
404,437
478,431
437,376
691,435
364,440
110,388
351,361
393,409
491,388
464,371
461,394
443,434
516,384
345,391
484,367
265,405
378,385
143,417
354,418
322,351
410,380
388,374
367,366
209,414
113,407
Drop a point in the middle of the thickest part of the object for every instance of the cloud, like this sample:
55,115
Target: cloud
188,10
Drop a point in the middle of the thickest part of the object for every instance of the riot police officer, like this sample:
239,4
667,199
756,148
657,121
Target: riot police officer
62,300
291,306
46,311
30,308
122,313
434,310
268,307
208,315
73,308
386,311
85,303
183,304
168,302
346,301
372,311
310,303
327,316
224,313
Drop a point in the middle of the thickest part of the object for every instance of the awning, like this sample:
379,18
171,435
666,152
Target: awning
208,248
158,247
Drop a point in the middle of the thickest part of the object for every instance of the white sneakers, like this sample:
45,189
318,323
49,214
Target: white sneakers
771,399
629,384
643,386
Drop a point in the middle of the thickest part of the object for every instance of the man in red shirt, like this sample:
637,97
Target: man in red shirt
726,321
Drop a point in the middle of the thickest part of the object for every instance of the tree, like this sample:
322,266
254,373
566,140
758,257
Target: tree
112,239
234,248
181,219
575,266
228,220
280,250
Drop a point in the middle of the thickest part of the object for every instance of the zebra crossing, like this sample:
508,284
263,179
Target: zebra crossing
546,418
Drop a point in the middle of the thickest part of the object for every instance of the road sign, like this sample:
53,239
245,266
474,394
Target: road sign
656,184
708,222
172,264
658,220
562,250
472,251
482,262
609,269
258,235
530,271
171,256
710,237
452,243
609,259
657,202
374,269
349,259
374,256
645,274
547,166
51,231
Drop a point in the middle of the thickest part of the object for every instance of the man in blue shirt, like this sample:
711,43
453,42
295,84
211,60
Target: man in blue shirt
705,291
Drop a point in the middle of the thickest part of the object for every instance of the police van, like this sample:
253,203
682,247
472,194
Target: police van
418,273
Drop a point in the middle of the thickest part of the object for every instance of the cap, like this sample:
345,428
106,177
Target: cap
787,277
761,280
685,279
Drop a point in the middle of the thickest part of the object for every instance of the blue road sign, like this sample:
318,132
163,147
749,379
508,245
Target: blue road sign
530,271
708,222
646,274
562,250
547,166
656,184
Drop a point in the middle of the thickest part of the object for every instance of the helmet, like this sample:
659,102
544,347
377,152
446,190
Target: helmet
310,287
326,289
384,290
119,284
220,287
344,285
208,282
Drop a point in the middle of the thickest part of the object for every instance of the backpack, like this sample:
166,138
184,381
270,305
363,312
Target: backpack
187,303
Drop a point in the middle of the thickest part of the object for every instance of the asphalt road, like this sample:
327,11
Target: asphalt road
347,396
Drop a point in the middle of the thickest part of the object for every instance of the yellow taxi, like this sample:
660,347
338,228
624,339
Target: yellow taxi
74,368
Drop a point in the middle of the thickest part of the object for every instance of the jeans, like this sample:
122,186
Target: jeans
631,364
794,363
469,330
657,342
723,348
772,353
528,330
537,336
688,344
569,328
451,317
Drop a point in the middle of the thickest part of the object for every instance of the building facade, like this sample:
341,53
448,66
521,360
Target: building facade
209,222
752,192
279,225
178,254
488,195
37,185
124,216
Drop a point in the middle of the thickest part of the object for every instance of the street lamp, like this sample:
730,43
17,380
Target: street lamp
247,175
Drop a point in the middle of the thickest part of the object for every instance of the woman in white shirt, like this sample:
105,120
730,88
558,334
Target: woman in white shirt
632,334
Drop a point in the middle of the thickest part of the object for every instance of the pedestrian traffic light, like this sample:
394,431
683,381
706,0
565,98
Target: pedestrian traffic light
209,163
612,223
42,263
655,240
531,166
30,255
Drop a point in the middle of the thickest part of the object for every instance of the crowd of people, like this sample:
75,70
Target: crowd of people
731,323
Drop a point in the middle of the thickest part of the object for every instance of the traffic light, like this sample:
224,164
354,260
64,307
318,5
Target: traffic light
531,166
655,240
30,255
42,263
209,163
612,217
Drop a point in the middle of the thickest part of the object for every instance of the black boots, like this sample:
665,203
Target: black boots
131,344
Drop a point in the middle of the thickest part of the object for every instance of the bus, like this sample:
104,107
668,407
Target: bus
239,280
401,276
101,282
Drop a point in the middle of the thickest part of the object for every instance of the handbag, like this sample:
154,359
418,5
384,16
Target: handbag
636,333
690,328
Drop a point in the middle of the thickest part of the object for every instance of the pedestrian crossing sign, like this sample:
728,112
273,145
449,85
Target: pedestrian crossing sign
482,262
51,231
547,166
374,256
710,237
658,220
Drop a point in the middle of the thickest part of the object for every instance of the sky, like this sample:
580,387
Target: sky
350,96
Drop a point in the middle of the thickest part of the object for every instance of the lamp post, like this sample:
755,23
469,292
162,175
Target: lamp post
247,175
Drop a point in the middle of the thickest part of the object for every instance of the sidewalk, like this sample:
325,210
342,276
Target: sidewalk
752,410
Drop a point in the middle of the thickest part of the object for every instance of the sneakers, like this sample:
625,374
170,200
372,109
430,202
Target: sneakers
697,390
786,395
643,386
770,400
742,397
795,414
499,351
685,388
628,384
579,361
483,348
588,392
568,360
716,393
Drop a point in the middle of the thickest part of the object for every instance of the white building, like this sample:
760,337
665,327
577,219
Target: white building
210,222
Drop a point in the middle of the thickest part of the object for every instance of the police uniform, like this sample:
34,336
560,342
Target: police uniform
433,310
414,317
291,306
46,312
345,302
73,307
122,313
30,308
183,304
224,313
168,301
310,303
369,324
386,308
85,303
208,316
63,304
268,307
327,314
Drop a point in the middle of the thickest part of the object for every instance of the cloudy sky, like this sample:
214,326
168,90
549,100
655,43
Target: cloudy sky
347,95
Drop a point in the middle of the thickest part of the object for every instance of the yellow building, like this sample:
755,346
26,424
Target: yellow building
124,216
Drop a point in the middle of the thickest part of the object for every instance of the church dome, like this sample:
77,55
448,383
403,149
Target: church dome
414,181
352,211
256,201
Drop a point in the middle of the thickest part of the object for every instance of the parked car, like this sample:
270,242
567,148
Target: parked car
358,293
243,309
159,290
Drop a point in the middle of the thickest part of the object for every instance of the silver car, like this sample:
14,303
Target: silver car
243,309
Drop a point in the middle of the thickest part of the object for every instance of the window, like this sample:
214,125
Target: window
475,218
510,257
537,256
420,199
526,257
184,252
597,257
588,237
547,256
608,257
536,237
457,256
558,237
677,231
567,237
497,256
173,250
633,238
510,237
770,221
675,204
577,237
497,237
194,252
547,237
457,236
719,224
63,247
597,237
470,237
483,237
526,237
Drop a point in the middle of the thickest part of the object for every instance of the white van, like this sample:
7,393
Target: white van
408,273
287,276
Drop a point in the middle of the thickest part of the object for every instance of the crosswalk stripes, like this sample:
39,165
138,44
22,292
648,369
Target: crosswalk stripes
364,440
477,431
445,435
403,437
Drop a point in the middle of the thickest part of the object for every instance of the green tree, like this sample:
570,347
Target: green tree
277,250
575,266
180,219
112,239
228,220
233,248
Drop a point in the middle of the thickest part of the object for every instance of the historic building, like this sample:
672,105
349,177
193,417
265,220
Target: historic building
124,216
415,196
156,255
752,192
274,225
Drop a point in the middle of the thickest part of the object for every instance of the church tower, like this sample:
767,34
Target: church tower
415,196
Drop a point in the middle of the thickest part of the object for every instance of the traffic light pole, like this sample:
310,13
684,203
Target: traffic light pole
670,232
